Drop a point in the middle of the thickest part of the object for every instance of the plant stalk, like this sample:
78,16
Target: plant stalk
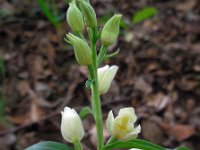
77,145
96,99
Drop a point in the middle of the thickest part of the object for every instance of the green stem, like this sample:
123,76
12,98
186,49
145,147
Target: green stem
91,77
96,99
98,114
77,145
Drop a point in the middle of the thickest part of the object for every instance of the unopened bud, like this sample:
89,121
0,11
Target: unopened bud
71,125
105,76
88,13
82,50
110,30
74,18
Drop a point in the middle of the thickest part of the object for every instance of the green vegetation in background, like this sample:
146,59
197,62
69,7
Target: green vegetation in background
144,14
2,101
49,8
2,67
2,106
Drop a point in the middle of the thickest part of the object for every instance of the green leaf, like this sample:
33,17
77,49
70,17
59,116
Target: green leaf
49,145
48,13
2,106
84,112
104,19
2,67
108,56
137,143
144,14
88,83
182,148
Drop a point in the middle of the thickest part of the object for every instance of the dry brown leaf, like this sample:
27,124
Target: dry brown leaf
180,131
152,132
196,48
36,112
28,34
158,101
196,68
187,5
188,84
142,85
51,53
20,119
93,134
23,87
47,48
53,37
35,65
152,66
83,71
2,127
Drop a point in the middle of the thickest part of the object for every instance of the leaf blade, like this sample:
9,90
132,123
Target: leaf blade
49,145
84,112
144,14
137,143
45,9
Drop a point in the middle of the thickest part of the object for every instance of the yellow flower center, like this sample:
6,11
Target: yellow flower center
122,125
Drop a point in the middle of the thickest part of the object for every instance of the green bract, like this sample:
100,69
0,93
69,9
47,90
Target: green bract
111,30
88,13
82,51
74,18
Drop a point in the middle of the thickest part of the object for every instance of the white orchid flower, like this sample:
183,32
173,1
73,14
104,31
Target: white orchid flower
71,125
105,76
122,127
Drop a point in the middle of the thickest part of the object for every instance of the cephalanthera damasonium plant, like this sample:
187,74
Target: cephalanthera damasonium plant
122,128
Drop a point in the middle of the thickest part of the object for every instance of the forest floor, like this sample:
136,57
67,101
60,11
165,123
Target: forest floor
159,73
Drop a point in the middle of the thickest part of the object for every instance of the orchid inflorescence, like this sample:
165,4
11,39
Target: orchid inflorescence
81,14
123,132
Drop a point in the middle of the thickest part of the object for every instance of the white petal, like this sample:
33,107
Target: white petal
71,125
110,73
133,134
109,122
102,70
106,78
130,112
136,130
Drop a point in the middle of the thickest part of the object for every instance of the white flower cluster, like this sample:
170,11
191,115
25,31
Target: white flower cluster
121,127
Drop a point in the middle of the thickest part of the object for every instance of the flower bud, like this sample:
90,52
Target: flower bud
74,18
82,50
71,125
110,30
88,13
105,76
122,127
